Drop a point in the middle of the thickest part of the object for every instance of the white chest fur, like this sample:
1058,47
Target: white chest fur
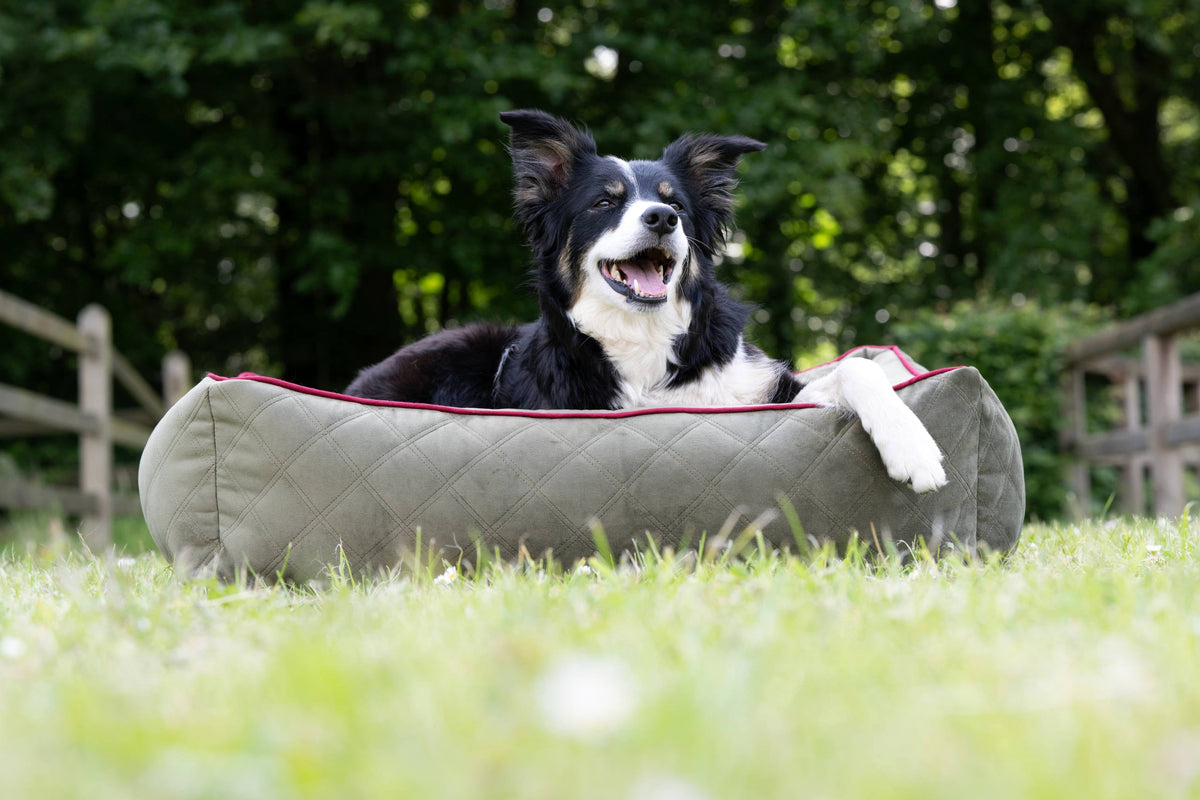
638,344
745,380
641,346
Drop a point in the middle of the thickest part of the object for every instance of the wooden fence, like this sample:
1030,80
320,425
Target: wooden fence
26,413
1159,395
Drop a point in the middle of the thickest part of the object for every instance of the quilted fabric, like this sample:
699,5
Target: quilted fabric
252,474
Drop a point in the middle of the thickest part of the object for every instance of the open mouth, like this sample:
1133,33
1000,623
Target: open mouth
642,278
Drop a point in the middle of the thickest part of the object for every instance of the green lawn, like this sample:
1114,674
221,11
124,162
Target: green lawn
1071,671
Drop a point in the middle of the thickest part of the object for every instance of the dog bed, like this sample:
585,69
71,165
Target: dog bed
253,474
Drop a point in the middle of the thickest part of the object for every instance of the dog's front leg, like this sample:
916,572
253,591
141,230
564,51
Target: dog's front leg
908,451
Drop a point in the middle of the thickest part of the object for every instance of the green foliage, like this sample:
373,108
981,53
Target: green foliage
1017,347
1169,272
299,188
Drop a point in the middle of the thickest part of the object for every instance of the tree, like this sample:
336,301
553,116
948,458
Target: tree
299,189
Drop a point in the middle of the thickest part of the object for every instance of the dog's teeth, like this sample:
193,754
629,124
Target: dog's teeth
636,290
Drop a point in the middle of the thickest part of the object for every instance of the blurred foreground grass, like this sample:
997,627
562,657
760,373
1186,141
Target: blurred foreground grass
1068,672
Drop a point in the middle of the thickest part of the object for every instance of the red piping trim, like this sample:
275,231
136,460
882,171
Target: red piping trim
918,376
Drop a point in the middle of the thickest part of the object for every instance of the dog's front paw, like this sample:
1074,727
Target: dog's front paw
911,456
927,477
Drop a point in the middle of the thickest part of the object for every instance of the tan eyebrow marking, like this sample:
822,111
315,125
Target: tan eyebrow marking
615,188
665,190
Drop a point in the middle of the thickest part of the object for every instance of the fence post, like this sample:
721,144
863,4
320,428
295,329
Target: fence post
1133,489
1164,397
1079,477
177,378
95,446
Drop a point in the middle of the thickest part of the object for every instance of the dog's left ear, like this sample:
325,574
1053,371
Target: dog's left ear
708,161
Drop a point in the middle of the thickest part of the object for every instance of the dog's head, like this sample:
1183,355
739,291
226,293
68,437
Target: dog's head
629,235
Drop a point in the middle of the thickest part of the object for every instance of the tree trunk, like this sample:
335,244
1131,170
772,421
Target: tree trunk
1134,134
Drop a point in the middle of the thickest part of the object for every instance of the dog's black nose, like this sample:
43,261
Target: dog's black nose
661,219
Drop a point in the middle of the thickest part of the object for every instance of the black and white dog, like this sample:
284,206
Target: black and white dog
631,312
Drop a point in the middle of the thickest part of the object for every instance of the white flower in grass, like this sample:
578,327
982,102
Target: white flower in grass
12,647
586,697
1123,672
1154,549
1179,759
126,562
447,577
665,787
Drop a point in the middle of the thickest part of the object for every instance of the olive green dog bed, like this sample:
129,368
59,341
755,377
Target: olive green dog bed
253,474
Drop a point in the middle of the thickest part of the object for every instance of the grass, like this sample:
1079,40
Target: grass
1070,671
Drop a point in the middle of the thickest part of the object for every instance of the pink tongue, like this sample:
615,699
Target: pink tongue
649,281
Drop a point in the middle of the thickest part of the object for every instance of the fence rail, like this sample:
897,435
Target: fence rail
92,418
1160,408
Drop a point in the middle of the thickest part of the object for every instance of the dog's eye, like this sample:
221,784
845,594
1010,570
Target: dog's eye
604,202
675,205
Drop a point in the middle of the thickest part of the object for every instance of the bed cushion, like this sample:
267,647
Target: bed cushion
256,475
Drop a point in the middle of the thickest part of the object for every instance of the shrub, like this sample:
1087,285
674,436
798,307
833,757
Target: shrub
1018,347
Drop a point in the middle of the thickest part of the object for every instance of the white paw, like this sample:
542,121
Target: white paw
910,454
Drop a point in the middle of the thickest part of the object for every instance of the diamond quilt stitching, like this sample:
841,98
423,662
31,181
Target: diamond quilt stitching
491,449
282,473
330,507
781,430
152,491
579,451
627,490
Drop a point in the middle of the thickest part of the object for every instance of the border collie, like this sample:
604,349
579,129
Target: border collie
632,314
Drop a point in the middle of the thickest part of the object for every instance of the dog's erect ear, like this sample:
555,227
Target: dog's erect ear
708,162
544,151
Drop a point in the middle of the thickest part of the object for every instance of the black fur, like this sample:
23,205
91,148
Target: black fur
549,363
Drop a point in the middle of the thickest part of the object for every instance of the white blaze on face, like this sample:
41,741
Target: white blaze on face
626,170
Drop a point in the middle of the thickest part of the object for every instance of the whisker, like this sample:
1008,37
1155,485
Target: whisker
708,251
